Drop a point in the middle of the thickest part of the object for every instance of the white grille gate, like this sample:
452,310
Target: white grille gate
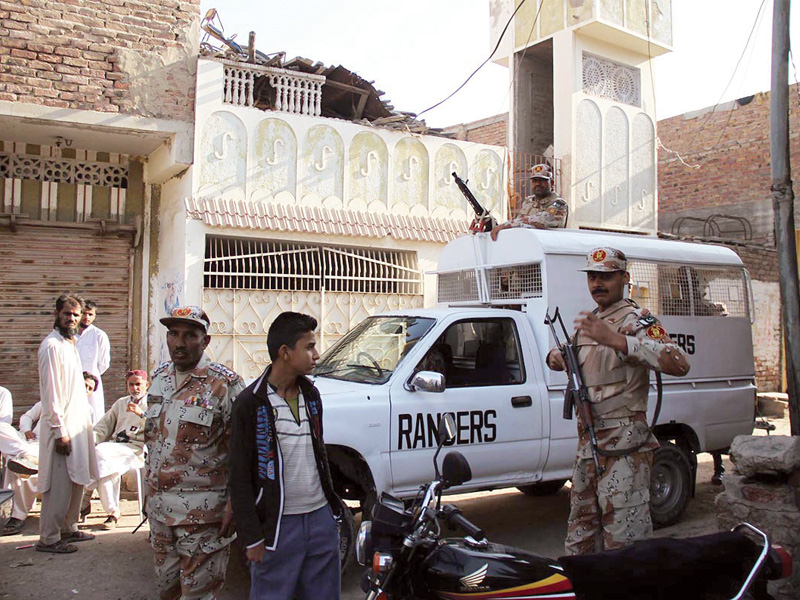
250,282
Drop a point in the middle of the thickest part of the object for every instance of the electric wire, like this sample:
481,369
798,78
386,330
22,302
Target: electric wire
794,69
659,143
524,51
735,69
499,41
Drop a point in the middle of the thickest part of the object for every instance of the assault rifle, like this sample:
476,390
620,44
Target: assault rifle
483,220
576,396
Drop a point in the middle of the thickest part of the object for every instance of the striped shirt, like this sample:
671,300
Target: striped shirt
302,488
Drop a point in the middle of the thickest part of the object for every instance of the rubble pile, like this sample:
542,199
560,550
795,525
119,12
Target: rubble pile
764,490
345,94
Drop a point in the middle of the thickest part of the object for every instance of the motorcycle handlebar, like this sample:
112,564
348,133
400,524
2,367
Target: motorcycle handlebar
454,518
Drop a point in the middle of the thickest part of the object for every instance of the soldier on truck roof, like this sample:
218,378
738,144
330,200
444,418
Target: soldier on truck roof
544,209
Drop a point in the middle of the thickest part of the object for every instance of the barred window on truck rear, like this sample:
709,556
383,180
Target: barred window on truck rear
680,290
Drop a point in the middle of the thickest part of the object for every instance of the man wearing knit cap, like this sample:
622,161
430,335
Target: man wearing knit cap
187,431
618,343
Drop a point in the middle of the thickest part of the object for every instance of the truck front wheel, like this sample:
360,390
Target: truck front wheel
543,488
670,484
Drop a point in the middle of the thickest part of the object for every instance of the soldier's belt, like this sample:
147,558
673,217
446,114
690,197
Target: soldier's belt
612,423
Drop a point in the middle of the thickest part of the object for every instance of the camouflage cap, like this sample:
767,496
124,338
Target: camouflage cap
188,314
541,171
606,260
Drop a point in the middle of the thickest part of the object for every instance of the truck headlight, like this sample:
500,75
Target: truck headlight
364,543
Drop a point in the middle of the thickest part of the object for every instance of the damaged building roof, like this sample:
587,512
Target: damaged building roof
345,94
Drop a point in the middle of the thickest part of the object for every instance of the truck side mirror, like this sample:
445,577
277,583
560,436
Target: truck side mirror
426,381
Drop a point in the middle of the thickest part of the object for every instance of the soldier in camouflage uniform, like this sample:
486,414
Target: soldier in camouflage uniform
544,209
617,345
187,428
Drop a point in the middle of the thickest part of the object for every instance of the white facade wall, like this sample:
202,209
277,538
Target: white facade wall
248,159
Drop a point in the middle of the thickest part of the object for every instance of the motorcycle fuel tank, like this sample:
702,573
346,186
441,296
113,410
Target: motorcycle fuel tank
456,570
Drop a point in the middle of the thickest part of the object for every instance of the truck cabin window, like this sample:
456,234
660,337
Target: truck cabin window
371,351
477,353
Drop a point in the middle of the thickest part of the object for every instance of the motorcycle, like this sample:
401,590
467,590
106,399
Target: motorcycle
406,557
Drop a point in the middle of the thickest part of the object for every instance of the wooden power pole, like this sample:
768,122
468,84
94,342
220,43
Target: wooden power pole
783,203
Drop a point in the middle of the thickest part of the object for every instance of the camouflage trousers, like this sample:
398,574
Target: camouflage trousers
613,510
191,560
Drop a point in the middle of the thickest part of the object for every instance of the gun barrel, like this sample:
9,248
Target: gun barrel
480,212
593,442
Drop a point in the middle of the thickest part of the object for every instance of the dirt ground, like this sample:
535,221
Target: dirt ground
118,564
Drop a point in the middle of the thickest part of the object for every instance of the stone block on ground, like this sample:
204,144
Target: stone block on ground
765,455
772,404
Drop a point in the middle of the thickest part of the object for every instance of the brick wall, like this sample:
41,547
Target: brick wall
491,131
761,261
120,56
762,264
728,150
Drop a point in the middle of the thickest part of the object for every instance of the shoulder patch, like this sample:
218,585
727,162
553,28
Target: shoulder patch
161,368
227,373
656,332
646,319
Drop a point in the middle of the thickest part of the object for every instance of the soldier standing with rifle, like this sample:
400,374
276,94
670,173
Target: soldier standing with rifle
616,344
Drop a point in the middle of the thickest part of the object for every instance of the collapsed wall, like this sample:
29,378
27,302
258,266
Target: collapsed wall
764,490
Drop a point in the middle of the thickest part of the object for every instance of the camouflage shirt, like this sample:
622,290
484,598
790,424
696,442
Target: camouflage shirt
618,383
188,429
549,212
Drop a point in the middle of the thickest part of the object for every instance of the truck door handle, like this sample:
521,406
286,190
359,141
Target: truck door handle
521,401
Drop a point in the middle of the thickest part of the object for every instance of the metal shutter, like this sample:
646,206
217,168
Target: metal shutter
37,264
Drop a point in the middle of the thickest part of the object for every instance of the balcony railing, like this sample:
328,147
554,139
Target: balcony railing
273,89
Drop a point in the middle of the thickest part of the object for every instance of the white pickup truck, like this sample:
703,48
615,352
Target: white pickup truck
487,340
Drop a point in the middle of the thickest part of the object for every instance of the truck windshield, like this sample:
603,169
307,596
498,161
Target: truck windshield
371,351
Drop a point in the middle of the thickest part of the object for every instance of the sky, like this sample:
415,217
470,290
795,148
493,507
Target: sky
420,51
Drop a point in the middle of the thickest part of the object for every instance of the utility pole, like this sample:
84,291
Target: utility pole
783,203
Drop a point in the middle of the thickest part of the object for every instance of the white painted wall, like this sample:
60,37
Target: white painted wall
168,274
256,156
249,154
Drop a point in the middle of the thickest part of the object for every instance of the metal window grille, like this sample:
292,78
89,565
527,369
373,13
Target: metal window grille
612,80
285,266
668,289
461,286
508,283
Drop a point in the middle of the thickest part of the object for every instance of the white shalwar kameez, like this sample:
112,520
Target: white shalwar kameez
65,412
95,351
